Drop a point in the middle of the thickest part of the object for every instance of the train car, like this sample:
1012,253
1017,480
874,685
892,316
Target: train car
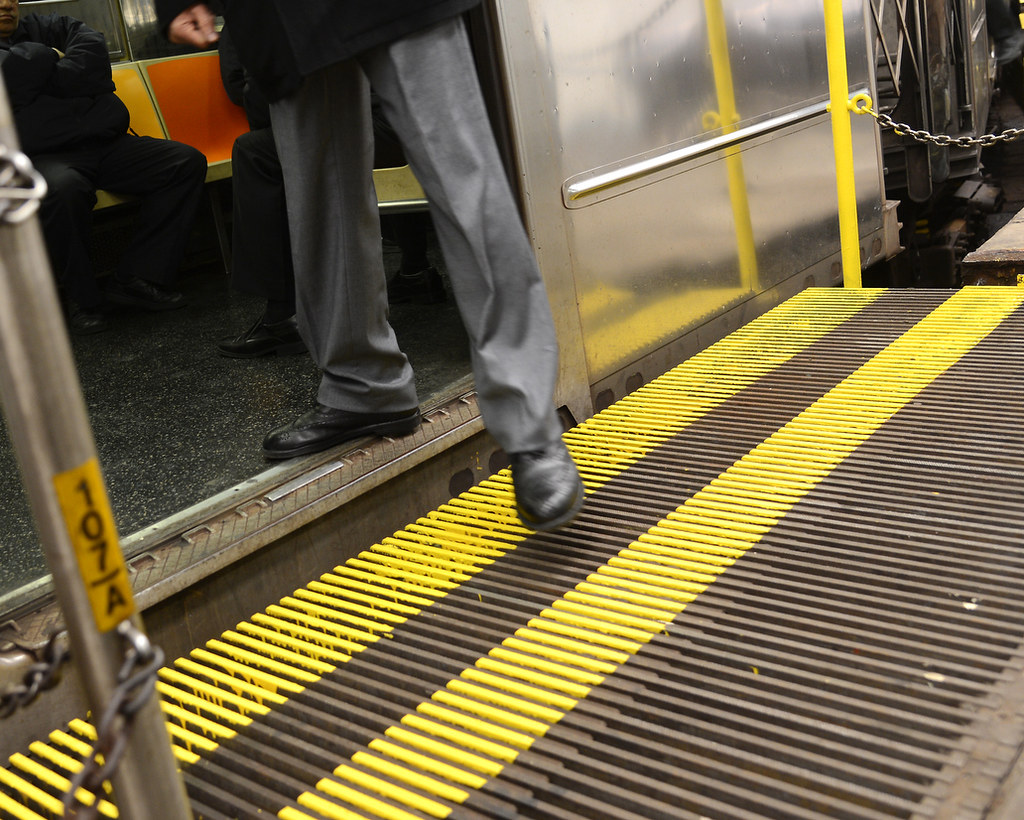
935,77
675,168
934,73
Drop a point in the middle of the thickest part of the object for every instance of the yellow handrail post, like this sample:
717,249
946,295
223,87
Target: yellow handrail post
842,138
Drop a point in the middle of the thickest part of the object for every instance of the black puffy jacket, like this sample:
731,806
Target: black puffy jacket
60,102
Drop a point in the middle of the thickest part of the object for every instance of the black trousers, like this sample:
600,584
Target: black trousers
168,177
261,252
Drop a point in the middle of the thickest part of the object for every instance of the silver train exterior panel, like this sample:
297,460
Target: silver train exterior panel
676,162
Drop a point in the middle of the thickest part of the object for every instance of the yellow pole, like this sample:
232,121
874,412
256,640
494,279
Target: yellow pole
842,138
729,116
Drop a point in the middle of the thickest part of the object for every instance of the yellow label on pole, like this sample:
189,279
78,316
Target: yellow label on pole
90,523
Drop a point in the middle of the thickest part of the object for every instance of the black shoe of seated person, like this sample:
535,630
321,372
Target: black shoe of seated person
85,322
138,293
324,427
548,488
264,339
425,287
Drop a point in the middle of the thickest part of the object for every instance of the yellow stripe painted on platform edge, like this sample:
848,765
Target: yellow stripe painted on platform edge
882,386
218,674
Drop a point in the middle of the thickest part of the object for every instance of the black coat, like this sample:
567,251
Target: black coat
239,84
59,103
281,41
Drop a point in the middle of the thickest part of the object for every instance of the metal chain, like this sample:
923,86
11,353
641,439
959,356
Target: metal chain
944,139
40,676
136,684
22,187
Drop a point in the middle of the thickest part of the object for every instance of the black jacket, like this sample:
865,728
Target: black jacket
281,41
60,102
238,83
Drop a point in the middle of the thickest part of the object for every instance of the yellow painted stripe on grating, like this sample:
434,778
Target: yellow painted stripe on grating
791,462
36,796
57,782
259,665
32,796
17,810
411,777
432,765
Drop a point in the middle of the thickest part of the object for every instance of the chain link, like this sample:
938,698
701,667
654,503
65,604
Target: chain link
136,684
983,141
43,675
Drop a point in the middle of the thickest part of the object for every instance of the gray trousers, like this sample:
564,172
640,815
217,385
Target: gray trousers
429,91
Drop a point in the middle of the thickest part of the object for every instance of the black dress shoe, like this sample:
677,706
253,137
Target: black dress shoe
263,339
139,293
82,322
323,427
425,287
549,491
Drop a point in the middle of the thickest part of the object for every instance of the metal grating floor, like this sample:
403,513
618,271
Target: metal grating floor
796,591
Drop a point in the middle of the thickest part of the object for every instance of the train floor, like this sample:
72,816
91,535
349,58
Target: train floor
796,590
175,423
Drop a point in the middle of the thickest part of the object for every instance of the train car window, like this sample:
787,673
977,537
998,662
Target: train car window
145,41
102,15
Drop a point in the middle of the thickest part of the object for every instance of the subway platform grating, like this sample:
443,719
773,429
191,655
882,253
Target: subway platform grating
795,592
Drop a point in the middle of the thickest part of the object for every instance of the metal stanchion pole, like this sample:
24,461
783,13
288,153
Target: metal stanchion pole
842,136
49,427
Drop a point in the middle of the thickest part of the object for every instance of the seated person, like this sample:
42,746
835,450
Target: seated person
75,130
261,258
261,250
416,281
